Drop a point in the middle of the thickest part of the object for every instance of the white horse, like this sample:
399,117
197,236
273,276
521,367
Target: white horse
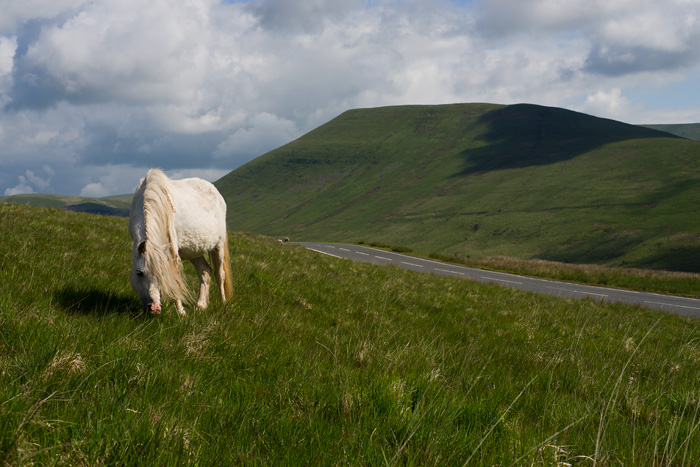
171,221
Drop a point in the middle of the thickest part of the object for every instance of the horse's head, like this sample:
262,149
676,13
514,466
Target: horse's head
142,280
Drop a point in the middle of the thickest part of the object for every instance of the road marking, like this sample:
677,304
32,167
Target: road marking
385,259
325,253
671,305
502,280
447,270
450,272
344,249
591,293
412,264
576,291
362,253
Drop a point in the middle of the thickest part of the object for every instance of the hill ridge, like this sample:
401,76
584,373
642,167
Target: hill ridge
480,180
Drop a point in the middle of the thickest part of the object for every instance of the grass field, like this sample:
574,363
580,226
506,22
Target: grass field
323,361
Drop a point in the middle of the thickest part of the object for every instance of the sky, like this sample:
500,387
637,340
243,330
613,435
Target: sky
95,92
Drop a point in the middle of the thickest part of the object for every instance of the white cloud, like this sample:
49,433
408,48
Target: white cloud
94,190
611,104
207,174
94,87
124,51
99,181
7,51
22,188
41,184
31,182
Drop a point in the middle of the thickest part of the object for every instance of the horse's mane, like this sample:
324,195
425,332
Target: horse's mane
161,250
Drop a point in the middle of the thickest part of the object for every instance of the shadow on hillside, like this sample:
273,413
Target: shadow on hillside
683,259
97,208
96,302
666,258
608,247
526,135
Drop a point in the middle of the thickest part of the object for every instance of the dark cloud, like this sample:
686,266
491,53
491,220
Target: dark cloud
107,145
306,16
32,87
508,18
615,60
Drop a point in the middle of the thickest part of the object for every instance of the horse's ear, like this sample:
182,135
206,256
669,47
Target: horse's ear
142,248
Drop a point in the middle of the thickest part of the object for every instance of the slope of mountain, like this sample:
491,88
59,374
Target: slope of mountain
685,130
110,206
481,180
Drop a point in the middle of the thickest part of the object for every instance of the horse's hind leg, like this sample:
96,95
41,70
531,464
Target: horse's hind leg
204,273
222,270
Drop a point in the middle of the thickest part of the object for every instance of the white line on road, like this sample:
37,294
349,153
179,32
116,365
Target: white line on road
385,259
325,253
591,293
412,264
671,305
502,280
576,291
362,253
451,272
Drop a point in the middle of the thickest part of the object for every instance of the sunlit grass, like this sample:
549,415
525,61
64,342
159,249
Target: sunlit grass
323,361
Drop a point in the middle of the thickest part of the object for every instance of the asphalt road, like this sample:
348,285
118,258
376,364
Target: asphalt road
666,303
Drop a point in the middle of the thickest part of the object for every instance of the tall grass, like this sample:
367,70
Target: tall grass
323,361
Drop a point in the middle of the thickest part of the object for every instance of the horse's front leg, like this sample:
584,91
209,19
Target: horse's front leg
204,273
180,308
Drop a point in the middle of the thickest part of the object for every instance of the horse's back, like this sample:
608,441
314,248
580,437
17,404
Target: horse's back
200,216
195,191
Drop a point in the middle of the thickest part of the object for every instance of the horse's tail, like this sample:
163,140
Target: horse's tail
228,282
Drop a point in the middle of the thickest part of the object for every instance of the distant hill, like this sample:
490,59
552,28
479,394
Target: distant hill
108,206
481,180
686,130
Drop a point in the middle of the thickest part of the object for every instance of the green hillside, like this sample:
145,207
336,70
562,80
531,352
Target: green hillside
322,361
481,180
685,130
111,205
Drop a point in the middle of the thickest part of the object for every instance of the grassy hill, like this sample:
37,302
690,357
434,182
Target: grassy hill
481,180
685,130
323,361
109,206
